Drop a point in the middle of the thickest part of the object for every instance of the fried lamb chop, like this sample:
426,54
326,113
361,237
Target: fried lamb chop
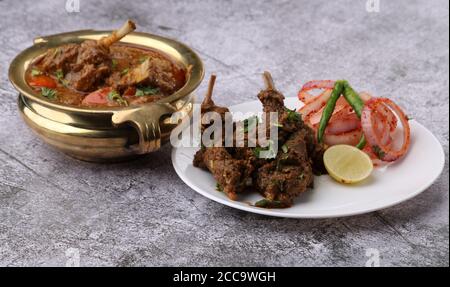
231,174
290,173
280,179
290,121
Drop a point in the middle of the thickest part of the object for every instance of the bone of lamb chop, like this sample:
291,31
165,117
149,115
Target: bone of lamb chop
86,64
117,35
272,100
208,104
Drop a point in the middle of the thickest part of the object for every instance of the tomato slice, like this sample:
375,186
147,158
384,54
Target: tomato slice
97,98
42,81
129,92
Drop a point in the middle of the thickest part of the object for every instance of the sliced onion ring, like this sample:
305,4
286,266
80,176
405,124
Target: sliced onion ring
375,160
315,105
342,123
349,138
303,94
384,150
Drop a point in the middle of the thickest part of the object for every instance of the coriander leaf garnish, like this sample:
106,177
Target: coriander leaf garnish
60,77
264,203
124,71
48,93
293,116
378,151
114,63
146,91
139,93
219,187
143,59
116,97
272,153
35,72
256,151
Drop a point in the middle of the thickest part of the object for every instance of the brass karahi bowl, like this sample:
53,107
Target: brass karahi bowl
107,134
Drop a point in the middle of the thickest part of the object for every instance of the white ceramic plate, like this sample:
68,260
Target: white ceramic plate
387,186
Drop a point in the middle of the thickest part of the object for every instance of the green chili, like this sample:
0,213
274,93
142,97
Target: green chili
357,104
329,108
353,99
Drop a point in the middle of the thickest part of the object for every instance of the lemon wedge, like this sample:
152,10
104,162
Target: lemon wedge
347,164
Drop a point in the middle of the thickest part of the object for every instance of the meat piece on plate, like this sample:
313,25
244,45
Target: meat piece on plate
225,169
289,175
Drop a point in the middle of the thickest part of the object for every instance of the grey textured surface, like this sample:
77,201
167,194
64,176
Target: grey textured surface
141,213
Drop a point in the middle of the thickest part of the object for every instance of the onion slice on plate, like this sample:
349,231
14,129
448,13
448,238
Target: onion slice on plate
375,130
342,123
314,105
303,94
349,138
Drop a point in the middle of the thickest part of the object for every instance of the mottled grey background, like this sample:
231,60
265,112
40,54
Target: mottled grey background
141,213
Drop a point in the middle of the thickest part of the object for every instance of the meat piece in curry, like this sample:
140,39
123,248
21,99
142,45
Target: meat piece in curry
280,179
105,73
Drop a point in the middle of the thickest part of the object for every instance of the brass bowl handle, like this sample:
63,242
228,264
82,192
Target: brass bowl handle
146,120
57,37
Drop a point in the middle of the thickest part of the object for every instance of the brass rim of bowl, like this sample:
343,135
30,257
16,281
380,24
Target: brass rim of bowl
174,49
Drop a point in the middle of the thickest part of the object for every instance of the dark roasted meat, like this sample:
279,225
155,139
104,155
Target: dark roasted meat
280,179
290,174
60,58
83,66
88,77
153,72
230,173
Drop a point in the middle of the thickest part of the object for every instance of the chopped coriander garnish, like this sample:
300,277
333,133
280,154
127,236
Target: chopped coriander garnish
143,59
293,116
48,93
378,151
272,153
265,203
124,71
60,76
139,93
219,187
146,91
114,63
116,97
256,151
35,72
